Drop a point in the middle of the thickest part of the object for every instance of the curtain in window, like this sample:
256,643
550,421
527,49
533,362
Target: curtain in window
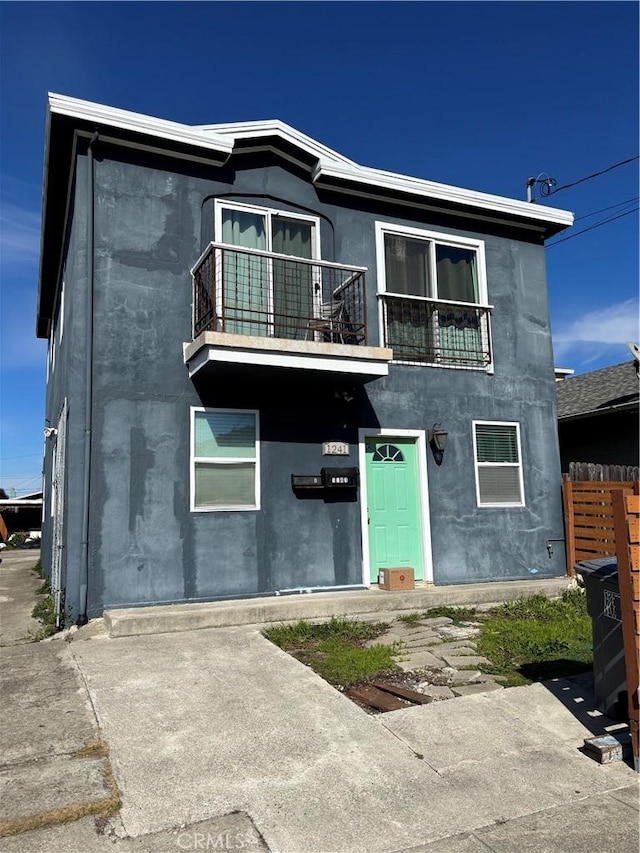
409,324
245,277
292,282
459,328
407,266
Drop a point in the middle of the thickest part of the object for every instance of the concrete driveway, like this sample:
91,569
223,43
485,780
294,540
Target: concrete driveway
219,740
208,722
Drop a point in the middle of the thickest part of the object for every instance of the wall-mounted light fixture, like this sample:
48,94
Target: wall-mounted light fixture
438,437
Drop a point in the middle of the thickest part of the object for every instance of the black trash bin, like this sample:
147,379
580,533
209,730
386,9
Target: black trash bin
603,605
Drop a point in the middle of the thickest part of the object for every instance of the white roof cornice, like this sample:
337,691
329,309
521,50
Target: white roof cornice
275,127
329,163
137,123
444,192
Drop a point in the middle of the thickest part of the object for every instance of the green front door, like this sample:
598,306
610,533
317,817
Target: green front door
393,505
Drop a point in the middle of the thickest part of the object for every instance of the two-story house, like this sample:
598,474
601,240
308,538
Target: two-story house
272,369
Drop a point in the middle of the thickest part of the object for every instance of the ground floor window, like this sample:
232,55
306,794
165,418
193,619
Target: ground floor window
224,459
498,464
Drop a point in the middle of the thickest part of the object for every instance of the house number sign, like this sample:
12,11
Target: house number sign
335,448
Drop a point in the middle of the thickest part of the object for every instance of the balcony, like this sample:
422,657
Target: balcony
438,332
252,307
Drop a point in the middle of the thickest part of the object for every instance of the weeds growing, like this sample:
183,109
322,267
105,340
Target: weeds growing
45,612
335,649
537,638
531,639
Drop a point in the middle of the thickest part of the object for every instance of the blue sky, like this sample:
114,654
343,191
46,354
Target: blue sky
479,95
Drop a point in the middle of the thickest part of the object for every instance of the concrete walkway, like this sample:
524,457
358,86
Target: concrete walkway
443,655
204,723
18,594
219,738
46,720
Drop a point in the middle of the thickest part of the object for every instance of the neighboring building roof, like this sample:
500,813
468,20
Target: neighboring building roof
69,119
30,496
562,373
603,390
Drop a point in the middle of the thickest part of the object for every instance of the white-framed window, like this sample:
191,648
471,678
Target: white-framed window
266,294
498,463
225,459
256,227
432,289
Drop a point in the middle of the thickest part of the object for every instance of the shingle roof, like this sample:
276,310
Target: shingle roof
601,389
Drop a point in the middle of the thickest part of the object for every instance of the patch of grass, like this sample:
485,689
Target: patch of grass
458,614
349,630
45,612
410,618
95,747
335,649
536,638
346,664
16,540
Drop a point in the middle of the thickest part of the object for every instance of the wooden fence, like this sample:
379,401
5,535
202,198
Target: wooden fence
588,518
626,515
594,472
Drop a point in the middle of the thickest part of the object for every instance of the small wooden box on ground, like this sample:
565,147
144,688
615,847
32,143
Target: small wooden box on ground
394,579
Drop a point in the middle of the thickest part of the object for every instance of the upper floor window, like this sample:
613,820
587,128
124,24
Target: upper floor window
263,294
433,292
263,276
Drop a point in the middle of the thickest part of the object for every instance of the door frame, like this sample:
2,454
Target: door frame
423,495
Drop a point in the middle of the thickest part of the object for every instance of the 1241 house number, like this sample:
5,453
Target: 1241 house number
335,448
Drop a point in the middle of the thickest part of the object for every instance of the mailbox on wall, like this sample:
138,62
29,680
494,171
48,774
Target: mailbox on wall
339,478
306,481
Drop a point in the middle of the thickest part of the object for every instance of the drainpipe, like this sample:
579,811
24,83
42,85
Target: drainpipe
84,552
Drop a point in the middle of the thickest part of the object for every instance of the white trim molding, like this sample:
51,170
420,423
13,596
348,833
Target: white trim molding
330,166
137,123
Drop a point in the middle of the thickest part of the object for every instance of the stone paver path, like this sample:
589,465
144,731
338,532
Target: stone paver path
444,653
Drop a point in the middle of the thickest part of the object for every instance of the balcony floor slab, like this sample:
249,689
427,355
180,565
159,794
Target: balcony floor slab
222,348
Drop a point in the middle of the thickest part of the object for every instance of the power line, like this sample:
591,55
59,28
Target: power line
603,209
23,476
589,177
591,228
27,456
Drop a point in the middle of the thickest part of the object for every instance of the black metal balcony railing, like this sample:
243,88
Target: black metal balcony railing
437,332
253,292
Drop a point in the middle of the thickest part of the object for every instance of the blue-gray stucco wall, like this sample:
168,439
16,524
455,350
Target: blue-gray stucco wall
67,382
152,220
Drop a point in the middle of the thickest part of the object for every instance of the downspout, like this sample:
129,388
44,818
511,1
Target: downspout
88,405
